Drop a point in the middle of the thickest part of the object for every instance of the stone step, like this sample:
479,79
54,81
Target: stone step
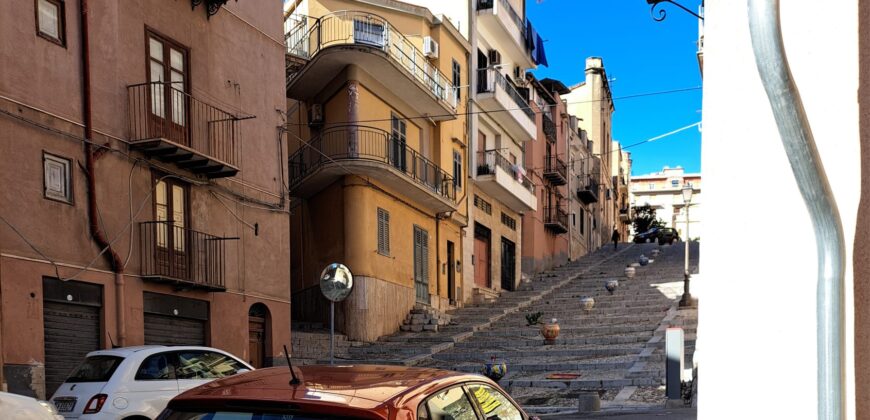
552,353
561,341
580,383
602,330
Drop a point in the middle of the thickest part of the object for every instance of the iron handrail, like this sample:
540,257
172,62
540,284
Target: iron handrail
179,253
491,159
489,78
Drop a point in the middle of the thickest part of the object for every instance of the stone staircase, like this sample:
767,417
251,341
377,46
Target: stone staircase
617,345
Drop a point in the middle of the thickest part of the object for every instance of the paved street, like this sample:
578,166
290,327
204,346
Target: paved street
681,414
616,348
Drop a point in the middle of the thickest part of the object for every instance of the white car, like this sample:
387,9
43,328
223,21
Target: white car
19,407
136,383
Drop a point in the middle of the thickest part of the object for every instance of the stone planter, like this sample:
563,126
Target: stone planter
635,265
550,331
588,303
611,285
494,370
655,253
629,271
643,260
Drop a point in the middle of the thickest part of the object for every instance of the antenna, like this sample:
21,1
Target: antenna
295,380
114,346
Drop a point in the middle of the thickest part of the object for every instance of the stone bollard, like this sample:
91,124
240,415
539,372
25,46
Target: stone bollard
588,402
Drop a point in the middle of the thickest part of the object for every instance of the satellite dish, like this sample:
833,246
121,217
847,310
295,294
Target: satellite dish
336,282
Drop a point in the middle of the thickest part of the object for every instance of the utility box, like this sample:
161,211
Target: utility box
675,352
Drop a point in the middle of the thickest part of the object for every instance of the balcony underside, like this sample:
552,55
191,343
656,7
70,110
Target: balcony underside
383,173
507,190
556,227
181,284
314,77
498,28
555,177
504,111
587,196
184,157
624,217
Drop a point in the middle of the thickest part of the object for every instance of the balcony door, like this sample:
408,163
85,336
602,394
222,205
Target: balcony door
421,265
170,211
167,74
398,143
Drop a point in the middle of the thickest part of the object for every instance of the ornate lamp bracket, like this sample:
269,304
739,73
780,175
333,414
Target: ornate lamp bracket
661,14
211,6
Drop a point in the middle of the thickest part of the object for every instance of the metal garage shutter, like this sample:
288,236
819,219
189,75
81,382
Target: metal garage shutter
175,321
174,331
71,325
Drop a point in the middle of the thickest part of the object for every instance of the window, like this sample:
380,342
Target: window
158,367
369,33
170,207
457,80
57,179
383,232
508,221
457,169
493,404
573,219
449,404
398,139
482,204
421,263
195,364
652,186
167,70
50,21
582,220
95,369
675,183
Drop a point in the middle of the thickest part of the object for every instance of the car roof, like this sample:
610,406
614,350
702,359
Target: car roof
352,387
145,350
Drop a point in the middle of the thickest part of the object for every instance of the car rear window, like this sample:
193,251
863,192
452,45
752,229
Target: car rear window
95,369
232,415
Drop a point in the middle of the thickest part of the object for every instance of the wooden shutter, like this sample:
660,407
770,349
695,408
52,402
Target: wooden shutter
383,231
424,257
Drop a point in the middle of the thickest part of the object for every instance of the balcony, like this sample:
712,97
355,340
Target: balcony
372,153
319,49
588,193
505,182
172,126
508,107
625,214
556,219
556,171
183,257
549,127
499,21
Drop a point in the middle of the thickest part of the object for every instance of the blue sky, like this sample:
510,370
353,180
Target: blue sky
643,56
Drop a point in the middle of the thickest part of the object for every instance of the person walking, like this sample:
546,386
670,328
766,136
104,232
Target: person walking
615,239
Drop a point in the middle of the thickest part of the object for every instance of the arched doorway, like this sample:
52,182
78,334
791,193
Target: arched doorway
258,335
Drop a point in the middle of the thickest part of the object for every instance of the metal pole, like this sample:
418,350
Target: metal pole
800,147
686,301
331,332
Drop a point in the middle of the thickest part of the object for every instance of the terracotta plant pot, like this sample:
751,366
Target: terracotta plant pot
611,285
550,331
629,272
494,370
588,303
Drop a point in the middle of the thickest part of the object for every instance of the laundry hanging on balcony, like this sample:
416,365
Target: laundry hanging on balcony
535,45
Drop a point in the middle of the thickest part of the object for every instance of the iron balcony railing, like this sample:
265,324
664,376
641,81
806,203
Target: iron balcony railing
555,168
306,36
488,79
488,160
353,142
549,127
556,216
180,255
160,111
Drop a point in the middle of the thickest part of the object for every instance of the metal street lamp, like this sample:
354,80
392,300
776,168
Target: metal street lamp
686,301
662,14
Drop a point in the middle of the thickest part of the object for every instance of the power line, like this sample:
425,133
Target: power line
419,117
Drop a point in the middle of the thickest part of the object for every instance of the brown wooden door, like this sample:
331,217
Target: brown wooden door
451,273
170,209
482,257
256,341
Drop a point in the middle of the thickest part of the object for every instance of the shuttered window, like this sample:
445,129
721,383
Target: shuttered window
457,169
383,232
421,263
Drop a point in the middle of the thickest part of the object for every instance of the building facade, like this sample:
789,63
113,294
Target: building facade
663,191
141,201
378,140
620,166
592,102
580,193
546,238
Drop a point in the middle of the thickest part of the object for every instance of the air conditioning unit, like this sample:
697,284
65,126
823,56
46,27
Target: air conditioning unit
430,47
494,57
518,73
315,115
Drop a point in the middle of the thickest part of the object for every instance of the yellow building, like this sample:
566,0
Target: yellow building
377,135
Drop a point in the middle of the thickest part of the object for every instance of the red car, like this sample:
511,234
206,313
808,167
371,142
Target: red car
347,392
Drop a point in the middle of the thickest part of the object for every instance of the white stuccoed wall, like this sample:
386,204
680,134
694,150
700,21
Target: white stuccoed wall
757,352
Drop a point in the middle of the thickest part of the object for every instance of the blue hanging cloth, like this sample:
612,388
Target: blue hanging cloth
540,55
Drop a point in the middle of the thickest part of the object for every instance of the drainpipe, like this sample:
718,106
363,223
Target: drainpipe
800,147
99,236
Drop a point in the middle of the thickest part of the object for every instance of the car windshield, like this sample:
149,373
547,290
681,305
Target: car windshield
228,415
96,369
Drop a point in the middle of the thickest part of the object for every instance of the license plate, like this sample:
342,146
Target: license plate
65,404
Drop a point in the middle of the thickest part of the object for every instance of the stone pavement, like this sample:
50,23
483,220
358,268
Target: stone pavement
664,414
616,348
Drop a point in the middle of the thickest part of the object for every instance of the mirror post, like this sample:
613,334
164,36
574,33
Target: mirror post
331,332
